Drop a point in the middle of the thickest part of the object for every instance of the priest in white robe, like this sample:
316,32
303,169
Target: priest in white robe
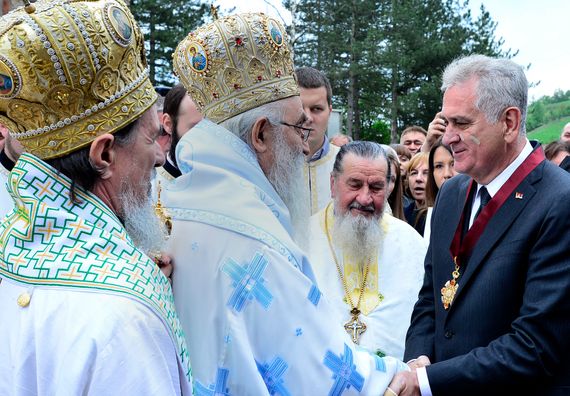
364,259
84,311
316,96
257,322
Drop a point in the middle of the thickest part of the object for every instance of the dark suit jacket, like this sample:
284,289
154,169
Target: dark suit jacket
508,329
565,164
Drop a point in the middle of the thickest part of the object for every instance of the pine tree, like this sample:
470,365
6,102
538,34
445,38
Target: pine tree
164,26
385,57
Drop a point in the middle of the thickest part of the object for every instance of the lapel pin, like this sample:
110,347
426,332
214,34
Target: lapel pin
519,195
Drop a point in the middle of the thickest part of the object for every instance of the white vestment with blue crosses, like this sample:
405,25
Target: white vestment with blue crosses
256,322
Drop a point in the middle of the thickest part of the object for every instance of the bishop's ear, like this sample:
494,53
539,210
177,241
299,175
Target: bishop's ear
259,135
102,154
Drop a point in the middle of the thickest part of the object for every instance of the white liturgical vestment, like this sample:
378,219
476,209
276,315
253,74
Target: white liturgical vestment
259,323
82,310
317,176
399,269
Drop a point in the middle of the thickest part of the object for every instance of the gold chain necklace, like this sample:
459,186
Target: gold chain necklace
355,327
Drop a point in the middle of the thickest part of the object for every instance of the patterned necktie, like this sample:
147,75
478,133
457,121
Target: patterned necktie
485,198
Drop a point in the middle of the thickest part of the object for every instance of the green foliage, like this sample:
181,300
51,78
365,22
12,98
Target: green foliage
378,132
549,132
385,57
548,109
164,25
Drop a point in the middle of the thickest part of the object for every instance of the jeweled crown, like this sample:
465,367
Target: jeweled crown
235,64
69,72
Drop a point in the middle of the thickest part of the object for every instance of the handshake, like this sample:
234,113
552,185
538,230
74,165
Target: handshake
405,383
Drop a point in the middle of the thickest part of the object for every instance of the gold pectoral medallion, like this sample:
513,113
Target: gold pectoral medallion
355,327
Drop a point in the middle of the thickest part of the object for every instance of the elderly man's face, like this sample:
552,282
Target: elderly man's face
478,145
293,115
361,188
136,161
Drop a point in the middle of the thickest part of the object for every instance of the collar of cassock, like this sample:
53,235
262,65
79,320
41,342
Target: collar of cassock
6,162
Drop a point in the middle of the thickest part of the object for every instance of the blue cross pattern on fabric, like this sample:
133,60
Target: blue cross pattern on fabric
218,388
248,282
344,372
380,364
272,374
314,295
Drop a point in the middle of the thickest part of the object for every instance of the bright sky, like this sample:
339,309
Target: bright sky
538,29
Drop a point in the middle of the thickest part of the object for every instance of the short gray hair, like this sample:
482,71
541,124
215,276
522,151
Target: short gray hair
501,84
242,124
361,149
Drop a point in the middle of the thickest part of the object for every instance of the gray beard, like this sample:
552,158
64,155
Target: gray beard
286,176
141,223
357,236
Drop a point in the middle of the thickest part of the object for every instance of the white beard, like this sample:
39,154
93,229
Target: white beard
141,222
286,176
358,236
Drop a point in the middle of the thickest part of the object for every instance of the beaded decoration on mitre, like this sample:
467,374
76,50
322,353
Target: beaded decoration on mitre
235,64
71,71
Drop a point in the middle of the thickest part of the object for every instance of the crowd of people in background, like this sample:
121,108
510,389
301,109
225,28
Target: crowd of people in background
218,241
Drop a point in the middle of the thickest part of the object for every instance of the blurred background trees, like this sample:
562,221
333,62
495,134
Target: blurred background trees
384,57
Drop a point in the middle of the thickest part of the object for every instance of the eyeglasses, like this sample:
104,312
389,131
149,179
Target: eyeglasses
302,131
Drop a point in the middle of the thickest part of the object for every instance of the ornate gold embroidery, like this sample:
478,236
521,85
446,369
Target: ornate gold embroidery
223,65
79,63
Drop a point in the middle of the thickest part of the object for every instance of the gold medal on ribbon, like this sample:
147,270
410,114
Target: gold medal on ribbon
450,288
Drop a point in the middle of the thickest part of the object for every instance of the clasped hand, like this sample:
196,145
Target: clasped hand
405,383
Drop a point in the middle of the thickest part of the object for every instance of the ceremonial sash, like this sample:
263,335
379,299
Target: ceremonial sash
461,249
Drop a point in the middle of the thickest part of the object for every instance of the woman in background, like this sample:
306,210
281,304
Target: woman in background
417,179
556,151
395,205
440,169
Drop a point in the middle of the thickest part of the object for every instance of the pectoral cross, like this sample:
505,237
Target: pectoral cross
354,326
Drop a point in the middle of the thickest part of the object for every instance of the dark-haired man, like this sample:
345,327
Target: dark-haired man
179,115
316,96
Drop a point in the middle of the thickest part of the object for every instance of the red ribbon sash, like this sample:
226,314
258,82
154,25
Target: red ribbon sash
462,249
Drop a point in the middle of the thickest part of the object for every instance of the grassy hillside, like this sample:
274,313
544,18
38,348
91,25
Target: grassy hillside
549,132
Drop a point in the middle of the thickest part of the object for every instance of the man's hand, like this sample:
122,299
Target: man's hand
420,361
164,262
404,383
436,129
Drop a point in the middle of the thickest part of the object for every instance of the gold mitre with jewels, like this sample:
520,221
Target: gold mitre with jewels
71,71
235,64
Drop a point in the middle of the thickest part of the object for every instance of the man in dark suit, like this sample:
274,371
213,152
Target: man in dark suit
493,314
